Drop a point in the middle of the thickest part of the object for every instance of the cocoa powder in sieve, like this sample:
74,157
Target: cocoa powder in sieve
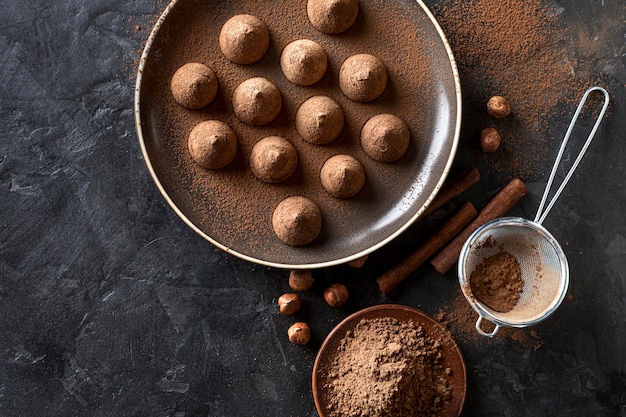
386,368
497,282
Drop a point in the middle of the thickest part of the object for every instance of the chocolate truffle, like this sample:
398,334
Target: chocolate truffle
332,16
385,137
257,101
303,62
362,78
342,176
194,85
319,120
297,221
212,144
273,159
244,39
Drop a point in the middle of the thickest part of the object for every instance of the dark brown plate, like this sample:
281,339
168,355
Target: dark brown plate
452,355
229,207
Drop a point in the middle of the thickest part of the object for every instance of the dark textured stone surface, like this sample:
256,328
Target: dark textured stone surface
111,306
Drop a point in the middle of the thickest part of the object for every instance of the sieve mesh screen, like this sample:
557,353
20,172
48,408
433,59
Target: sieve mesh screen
542,263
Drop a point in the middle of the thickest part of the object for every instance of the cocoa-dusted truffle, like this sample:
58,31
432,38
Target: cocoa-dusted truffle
385,137
319,120
244,39
273,159
194,85
212,144
297,221
303,62
257,101
362,77
332,16
342,176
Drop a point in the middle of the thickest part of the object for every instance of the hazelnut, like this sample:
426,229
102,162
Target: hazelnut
490,139
498,107
336,295
289,303
299,333
300,280
357,263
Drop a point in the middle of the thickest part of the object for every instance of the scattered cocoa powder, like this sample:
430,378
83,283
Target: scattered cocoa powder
459,318
497,282
386,368
515,48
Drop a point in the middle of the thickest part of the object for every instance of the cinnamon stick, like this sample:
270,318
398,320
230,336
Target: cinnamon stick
457,221
504,201
452,188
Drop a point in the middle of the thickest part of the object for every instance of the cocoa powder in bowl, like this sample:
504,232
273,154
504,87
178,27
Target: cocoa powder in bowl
389,360
387,368
231,207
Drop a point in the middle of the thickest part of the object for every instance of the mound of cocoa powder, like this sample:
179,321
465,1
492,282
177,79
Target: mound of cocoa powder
497,282
387,368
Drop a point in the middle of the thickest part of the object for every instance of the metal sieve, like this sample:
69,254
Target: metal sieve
543,264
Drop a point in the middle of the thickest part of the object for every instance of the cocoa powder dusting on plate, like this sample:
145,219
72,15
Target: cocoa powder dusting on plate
231,205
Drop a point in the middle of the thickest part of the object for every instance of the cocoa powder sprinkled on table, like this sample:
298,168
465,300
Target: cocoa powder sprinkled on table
459,319
517,49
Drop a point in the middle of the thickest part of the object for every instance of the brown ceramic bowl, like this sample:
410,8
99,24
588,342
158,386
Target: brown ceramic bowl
235,215
452,355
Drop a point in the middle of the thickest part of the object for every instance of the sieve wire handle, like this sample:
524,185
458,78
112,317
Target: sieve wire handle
541,213
479,329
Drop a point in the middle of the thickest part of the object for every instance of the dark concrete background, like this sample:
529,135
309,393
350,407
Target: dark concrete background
111,306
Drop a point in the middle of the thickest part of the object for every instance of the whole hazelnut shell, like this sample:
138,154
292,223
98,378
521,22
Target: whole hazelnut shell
490,139
289,304
300,279
336,295
299,333
498,107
